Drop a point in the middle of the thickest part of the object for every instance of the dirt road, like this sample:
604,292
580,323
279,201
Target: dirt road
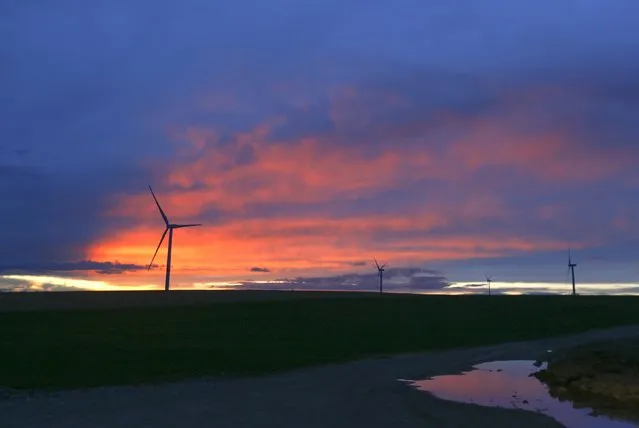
360,394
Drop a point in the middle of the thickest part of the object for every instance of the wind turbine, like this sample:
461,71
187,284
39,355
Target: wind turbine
380,269
489,279
169,228
571,268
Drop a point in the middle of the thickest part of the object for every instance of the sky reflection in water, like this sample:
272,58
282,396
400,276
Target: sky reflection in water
508,384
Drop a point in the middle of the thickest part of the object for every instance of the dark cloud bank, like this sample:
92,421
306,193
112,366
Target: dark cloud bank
104,268
395,279
259,269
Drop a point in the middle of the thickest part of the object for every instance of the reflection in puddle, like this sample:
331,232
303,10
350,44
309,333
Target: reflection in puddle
508,384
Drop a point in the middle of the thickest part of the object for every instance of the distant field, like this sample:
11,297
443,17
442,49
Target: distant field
138,299
140,337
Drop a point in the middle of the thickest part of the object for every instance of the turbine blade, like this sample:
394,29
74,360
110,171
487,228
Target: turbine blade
383,266
166,220
156,250
177,226
376,264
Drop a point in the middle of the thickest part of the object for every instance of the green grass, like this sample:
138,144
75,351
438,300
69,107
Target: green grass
74,348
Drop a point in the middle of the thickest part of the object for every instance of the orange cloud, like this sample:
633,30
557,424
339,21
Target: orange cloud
253,168
287,245
552,155
548,151
313,170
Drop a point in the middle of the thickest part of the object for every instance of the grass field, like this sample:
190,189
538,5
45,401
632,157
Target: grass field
179,335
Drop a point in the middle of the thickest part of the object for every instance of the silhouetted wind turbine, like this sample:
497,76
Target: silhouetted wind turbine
380,269
571,268
489,279
169,228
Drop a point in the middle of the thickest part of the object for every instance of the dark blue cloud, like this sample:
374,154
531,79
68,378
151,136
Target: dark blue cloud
54,217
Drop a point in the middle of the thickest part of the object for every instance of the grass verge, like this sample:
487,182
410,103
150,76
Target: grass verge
80,348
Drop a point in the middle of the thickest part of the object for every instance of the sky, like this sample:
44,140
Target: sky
449,139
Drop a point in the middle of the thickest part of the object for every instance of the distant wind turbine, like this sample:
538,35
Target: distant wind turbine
489,279
571,268
380,269
169,228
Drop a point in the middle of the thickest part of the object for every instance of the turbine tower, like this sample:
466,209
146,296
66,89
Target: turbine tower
169,228
571,268
489,279
380,269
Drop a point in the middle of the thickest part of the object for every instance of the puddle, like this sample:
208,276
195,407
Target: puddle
508,384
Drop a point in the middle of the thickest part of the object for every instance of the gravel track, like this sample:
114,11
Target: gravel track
360,394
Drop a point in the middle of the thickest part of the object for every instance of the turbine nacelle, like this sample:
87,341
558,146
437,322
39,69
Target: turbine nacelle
379,268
